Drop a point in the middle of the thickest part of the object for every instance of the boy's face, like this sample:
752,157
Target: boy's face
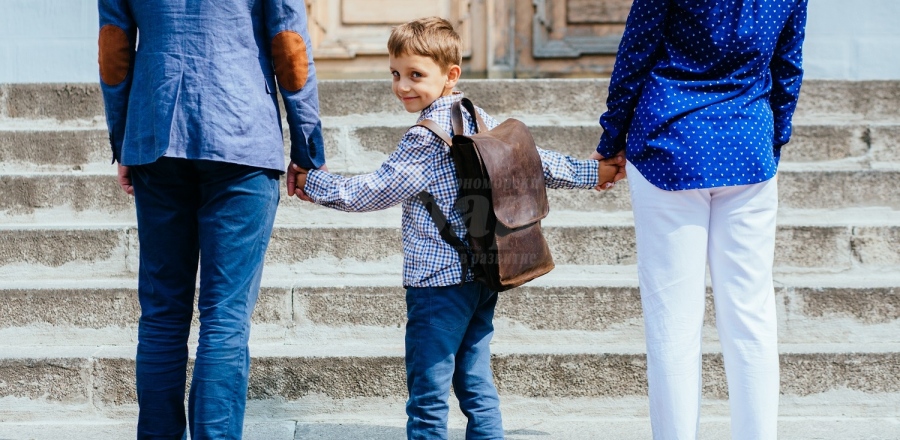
418,81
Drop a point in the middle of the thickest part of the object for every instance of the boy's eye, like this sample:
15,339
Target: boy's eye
416,75
395,73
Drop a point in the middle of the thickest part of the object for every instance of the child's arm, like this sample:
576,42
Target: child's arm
404,174
561,171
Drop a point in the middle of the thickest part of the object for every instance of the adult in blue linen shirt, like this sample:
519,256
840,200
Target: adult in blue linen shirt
191,106
700,102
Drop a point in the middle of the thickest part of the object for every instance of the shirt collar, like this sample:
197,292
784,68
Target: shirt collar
441,104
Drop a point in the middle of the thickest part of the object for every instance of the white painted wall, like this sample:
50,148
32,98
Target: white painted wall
48,41
56,40
853,39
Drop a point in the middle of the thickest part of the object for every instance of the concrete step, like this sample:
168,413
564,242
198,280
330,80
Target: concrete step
328,329
356,144
571,306
46,196
813,140
811,241
871,100
102,377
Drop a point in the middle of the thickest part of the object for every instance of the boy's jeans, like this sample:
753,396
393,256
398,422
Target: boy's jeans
222,215
448,332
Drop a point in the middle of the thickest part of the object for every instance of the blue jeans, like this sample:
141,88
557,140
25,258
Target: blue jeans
448,333
221,215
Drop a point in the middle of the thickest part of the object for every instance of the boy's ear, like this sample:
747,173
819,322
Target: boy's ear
453,74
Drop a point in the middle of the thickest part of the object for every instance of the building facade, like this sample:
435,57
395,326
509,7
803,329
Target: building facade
55,40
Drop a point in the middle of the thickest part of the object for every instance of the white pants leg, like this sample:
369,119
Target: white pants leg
676,230
741,256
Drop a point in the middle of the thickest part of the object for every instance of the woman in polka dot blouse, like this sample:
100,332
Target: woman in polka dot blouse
700,101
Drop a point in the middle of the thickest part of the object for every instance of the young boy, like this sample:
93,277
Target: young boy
449,323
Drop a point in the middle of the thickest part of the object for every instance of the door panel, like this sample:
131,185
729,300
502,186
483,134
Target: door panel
351,35
557,38
398,11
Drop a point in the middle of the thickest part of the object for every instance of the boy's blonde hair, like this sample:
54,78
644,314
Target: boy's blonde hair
431,37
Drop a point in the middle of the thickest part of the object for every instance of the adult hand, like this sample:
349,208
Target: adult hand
296,181
606,180
124,179
621,161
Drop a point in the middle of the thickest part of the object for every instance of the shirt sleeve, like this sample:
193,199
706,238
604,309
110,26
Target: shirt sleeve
405,173
295,71
786,68
116,46
565,172
560,171
635,59
488,119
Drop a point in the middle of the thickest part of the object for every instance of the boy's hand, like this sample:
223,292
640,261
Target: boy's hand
609,171
296,181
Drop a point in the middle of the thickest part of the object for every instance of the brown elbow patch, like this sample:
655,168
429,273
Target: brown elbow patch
291,62
115,54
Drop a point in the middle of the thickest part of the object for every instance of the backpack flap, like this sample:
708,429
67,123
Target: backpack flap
522,255
512,162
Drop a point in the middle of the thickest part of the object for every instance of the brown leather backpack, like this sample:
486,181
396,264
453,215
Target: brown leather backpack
502,198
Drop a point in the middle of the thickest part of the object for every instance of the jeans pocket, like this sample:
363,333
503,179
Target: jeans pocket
451,307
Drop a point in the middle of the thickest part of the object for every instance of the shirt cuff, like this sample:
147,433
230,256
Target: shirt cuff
586,173
607,150
318,185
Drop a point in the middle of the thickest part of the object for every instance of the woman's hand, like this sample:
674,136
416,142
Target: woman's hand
609,170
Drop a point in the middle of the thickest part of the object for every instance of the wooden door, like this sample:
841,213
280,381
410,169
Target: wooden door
350,36
558,37
501,38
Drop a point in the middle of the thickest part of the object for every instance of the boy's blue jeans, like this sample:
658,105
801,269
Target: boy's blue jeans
221,215
448,333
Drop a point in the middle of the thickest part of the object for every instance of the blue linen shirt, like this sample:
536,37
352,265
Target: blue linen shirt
422,162
202,83
703,91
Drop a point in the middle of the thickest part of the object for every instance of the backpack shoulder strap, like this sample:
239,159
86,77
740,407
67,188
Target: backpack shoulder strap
436,129
457,119
434,211
443,225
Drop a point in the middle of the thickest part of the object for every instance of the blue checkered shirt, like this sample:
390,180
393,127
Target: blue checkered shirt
422,163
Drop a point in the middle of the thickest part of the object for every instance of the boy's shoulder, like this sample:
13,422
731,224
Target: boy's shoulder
440,112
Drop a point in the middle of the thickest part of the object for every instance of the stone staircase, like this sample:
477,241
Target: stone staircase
327,341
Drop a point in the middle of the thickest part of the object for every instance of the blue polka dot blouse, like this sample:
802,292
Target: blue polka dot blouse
703,91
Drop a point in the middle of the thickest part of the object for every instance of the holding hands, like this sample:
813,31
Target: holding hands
296,181
610,170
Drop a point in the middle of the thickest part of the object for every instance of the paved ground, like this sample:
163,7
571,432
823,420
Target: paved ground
834,416
636,429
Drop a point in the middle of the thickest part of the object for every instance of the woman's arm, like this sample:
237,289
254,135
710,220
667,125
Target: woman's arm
636,57
787,73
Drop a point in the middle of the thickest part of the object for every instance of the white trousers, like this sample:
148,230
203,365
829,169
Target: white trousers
733,228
